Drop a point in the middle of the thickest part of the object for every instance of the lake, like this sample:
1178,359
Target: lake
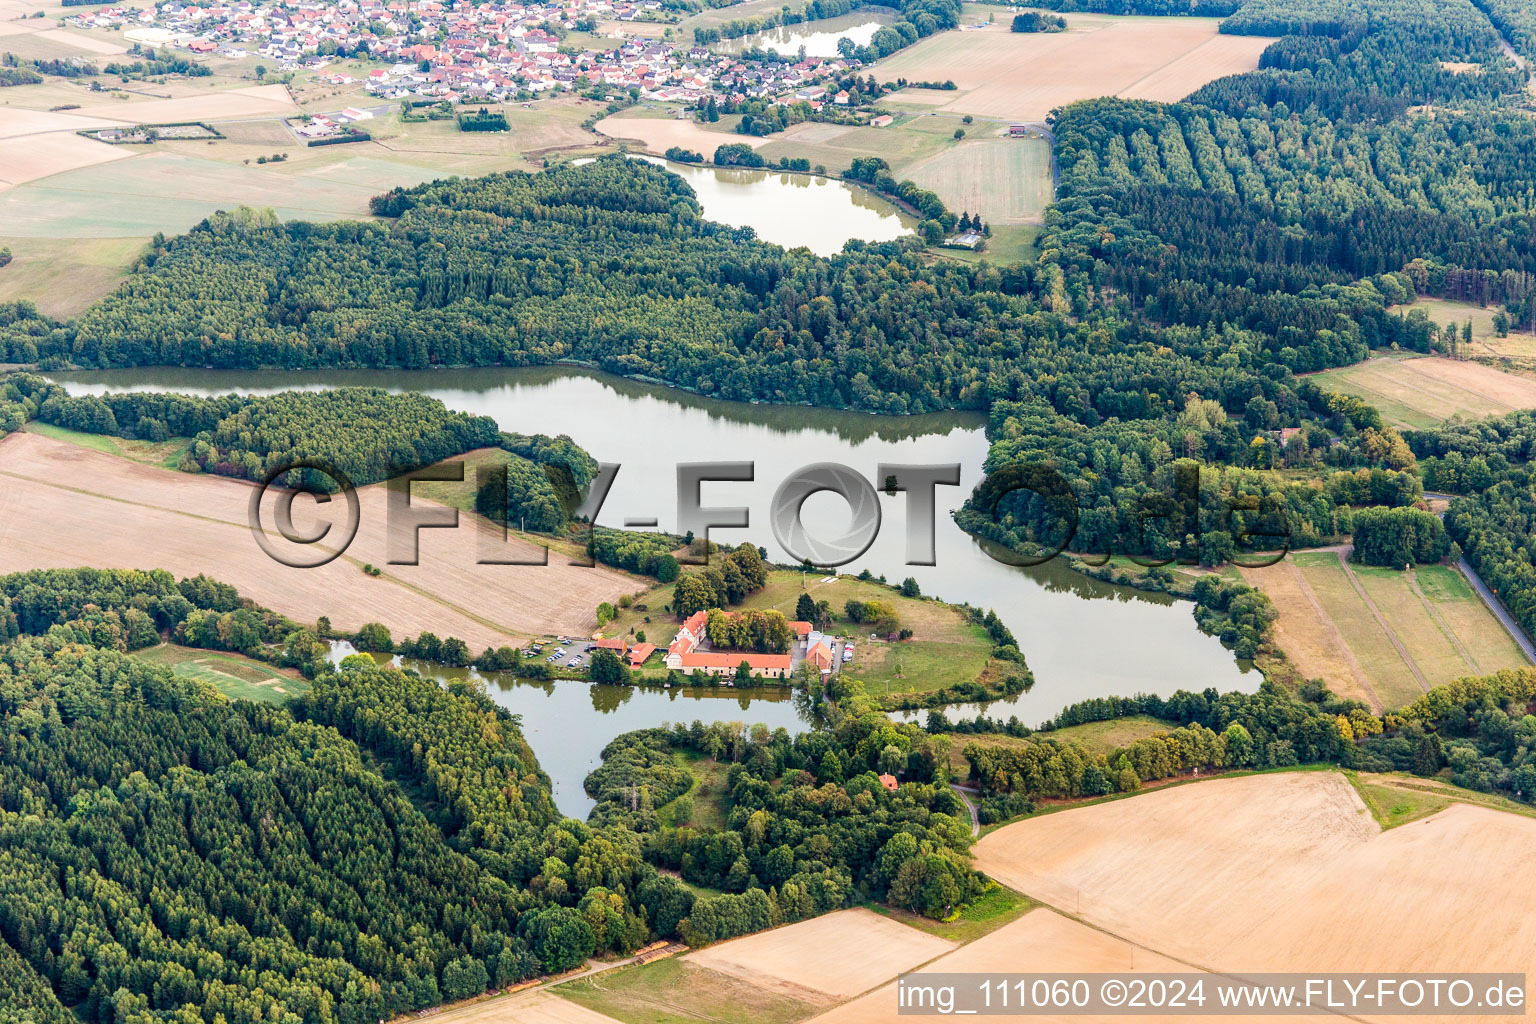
792,209
819,38
1082,638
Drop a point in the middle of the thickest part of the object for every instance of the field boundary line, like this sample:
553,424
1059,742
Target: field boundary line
1333,632
1441,624
1381,621
1178,959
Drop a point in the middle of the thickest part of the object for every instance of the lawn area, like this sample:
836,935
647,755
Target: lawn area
164,454
1010,243
945,647
233,675
987,913
675,991
1424,391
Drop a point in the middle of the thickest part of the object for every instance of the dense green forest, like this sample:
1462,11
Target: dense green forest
1489,463
807,819
1480,728
383,843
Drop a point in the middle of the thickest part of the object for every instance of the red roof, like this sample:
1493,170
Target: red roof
696,622
801,628
889,782
639,652
612,643
730,659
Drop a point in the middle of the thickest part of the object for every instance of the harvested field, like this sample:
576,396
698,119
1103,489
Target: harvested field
660,133
255,101
80,41
536,1006
41,156
1005,180
1024,75
65,506
16,121
1284,872
1424,392
795,959
1042,941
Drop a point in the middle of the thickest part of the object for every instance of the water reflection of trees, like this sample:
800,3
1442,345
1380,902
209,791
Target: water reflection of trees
847,424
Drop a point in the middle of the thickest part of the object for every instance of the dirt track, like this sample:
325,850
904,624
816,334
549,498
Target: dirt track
64,506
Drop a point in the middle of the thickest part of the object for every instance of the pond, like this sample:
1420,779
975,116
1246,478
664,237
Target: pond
569,723
792,209
819,38
1082,638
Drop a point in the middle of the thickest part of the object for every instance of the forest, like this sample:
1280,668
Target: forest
807,818
382,843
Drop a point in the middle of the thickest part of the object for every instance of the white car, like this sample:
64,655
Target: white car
573,663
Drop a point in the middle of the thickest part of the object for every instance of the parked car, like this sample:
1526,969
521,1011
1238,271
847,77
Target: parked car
574,662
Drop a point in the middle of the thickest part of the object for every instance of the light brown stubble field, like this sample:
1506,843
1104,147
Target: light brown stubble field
1025,75
837,955
64,506
1284,872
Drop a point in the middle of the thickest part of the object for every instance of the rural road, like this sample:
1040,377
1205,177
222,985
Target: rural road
1500,612
975,821
1513,628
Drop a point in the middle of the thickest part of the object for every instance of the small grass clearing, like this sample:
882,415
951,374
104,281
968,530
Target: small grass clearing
233,675
991,910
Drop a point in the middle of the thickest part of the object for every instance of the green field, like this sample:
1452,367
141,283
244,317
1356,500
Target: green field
231,674
1422,392
676,992
1433,613
165,454
65,275
709,794
1098,737
1005,180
